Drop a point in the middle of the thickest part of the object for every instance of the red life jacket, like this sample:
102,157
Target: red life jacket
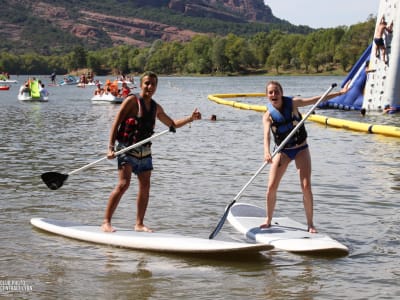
140,127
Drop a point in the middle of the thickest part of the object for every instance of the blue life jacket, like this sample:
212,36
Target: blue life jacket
284,122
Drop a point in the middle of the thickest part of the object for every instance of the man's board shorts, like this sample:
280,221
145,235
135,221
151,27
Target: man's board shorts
379,42
139,159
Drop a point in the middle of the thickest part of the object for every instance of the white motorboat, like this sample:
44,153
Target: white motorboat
107,98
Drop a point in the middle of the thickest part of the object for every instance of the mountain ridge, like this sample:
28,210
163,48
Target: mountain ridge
48,27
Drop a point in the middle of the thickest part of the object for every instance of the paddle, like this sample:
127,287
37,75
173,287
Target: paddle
281,146
55,180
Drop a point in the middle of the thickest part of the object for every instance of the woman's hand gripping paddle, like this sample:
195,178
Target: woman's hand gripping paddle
55,180
281,146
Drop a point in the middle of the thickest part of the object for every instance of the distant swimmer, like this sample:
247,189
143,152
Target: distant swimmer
389,109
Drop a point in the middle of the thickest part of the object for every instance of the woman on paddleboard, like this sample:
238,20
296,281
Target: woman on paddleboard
280,119
134,122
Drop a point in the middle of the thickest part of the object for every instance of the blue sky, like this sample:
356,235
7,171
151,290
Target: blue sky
323,13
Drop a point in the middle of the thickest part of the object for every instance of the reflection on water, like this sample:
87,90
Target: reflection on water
198,171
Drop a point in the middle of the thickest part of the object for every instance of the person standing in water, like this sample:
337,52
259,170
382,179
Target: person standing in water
134,122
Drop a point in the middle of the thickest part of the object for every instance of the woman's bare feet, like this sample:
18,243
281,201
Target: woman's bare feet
106,227
312,229
142,228
266,224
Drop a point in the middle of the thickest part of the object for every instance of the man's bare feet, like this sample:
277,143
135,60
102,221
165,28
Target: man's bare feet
311,229
142,228
106,227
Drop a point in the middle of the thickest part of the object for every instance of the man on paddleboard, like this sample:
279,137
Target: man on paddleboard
280,119
134,122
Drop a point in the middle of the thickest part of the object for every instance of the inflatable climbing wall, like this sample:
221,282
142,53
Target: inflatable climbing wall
382,87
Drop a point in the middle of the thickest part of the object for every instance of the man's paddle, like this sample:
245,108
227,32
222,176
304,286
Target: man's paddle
281,146
55,180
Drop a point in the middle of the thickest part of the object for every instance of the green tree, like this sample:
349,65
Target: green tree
237,53
218,58
163,59
34,64
77,59
138,62
93,63
306,52
198,52
10,63
273,60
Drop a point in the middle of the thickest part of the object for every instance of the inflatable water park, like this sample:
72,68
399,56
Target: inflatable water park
373,81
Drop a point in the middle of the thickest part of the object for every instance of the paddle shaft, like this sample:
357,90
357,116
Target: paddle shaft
121,151
281,146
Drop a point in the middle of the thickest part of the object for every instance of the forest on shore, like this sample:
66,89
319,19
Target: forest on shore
323,51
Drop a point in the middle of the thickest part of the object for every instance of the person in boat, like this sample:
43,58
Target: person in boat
125,90
134,122
114,88
282,116
25,89
99,90
90,77
378,38
43,91
107,90
83,79
66,80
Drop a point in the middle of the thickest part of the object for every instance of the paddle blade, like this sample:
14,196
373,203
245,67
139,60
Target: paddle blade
219,226
222,221
54,180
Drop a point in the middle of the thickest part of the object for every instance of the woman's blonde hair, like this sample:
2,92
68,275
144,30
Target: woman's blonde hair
273,82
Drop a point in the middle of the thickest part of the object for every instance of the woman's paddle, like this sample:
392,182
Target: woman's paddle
55,180
281,146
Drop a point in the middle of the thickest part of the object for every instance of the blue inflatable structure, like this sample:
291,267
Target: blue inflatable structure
376,87
353,99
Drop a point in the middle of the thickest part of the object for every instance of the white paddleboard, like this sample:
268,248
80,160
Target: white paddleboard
284,233
154,241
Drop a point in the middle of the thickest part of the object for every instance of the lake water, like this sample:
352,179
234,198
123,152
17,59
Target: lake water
198,171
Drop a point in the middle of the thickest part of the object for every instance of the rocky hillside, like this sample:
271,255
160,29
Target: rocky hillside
54,26
226,10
